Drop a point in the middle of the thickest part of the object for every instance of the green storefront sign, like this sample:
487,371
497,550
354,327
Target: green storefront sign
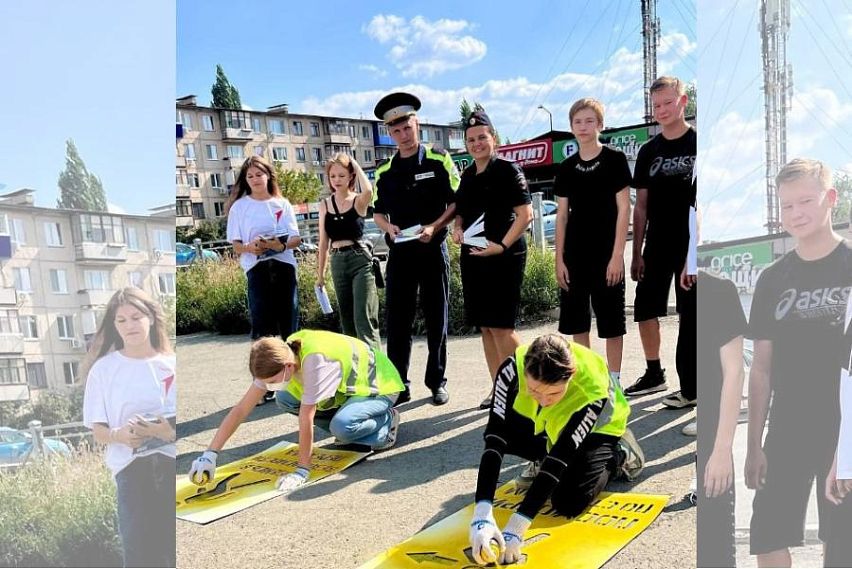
741,264
628,141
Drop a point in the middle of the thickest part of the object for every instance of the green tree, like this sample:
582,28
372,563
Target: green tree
225,95
208,230
298,187
79,188
843,210
692,103
465,110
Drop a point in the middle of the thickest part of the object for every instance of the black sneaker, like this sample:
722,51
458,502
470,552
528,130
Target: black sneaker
403,398
267,397
440,396
651,382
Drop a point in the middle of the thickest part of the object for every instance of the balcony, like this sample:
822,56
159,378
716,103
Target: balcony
11,343
91,297
236,125
181,162
338,138
14,392
8,297
240,134
182,191
184,221
101,252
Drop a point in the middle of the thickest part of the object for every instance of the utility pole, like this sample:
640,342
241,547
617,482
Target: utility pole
778,95
650,42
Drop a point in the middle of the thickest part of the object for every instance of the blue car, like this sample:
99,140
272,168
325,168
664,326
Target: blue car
186,254
15,445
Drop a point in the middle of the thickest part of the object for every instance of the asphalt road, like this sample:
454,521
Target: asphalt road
347,519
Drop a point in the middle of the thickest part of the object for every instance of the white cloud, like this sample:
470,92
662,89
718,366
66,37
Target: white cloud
421,48
373,70
113,208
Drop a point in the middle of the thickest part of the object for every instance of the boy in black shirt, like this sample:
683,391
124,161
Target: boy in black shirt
664,192
593,184
796,323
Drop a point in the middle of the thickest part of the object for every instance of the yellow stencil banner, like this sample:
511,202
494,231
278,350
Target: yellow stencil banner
244,483
585,542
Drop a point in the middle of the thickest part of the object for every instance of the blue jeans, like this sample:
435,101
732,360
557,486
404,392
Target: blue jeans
360,420
272,299
145,490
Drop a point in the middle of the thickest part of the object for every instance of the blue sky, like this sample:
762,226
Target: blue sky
100,72
341,58
731,124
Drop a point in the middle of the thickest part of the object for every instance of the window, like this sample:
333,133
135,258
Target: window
97,280
134,278
189,151
212,152
219,208
437,135
101,228
19,235
182,209
29,327
279,154
365,132
65,325
237,119
164,240
297,128
322,178
22,279
215,180
207,123
315,129
276,126
317,154
166,283
255,124
53,234
194,180
4,224
235,151
368,156
36,376
133,237
70,371
383,131
10,322
198,210
300,154
258,151
58,281
185,120
12,371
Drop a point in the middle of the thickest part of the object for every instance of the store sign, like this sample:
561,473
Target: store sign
526,154
741,264
564,148
628,141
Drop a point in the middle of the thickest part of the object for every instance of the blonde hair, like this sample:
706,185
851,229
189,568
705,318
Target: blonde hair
350,165
804,167
549,359
587,103
668,81
269,355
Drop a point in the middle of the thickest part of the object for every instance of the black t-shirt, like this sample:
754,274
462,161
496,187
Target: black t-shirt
800,306
665,168
720,320
495,192
591,186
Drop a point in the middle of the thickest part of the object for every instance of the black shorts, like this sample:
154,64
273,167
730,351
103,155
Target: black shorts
652,292
779,508
586,291
491,287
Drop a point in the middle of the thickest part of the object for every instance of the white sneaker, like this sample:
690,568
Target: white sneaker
392,432
691,429
678,401
526,478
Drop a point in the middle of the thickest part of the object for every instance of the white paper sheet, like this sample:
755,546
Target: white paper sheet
322,298
408,234
473,236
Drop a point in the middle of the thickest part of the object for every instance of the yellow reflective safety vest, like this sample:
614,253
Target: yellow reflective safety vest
591,382
365,371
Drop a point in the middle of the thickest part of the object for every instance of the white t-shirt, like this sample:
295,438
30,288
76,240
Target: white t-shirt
844,443
319,377
119,388
250,218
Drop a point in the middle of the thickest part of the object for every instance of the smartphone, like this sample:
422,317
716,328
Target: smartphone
150,418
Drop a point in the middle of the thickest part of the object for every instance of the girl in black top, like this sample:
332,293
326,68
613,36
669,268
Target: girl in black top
496,190
341,226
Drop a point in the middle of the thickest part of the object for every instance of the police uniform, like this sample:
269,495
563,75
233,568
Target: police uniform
416,190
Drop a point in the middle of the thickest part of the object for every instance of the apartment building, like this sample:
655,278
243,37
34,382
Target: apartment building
213,143
58,269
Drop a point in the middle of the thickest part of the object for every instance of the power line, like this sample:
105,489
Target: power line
843,54
827,60
722,56
822,124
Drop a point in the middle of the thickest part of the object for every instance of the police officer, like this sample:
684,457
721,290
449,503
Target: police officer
415,187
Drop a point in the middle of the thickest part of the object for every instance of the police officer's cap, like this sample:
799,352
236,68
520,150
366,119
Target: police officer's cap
396,107
477,118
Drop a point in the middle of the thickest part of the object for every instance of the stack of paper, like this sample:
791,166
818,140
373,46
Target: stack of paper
322,298
408,234
475,234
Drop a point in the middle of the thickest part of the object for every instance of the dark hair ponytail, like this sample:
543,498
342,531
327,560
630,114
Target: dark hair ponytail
549,359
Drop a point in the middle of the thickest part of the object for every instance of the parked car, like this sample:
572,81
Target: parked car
186,254
306,248
377,237
15,444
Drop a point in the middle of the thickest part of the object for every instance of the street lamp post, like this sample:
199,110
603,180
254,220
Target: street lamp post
549,114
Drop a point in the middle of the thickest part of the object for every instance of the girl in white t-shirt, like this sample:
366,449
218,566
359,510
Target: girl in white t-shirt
130,406
262,227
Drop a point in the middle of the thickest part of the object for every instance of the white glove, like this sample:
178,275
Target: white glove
513,534
203,468
484,531
290,482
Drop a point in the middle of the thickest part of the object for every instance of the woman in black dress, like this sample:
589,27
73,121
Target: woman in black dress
493,191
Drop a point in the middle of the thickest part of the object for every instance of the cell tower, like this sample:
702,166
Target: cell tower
778,95
650,42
